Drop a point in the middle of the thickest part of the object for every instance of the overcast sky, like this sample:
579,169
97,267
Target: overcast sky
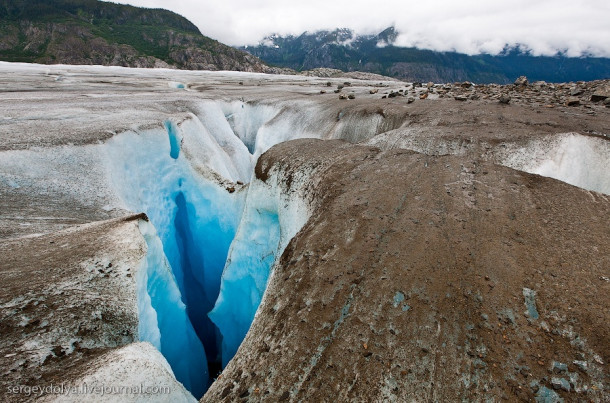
469,26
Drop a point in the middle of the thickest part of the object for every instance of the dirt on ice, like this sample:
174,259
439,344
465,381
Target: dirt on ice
429,278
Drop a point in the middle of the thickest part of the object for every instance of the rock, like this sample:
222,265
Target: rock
423,96
547,395
351,96
504,99
607,101
576,91
460,98
478,363
374,91
559,367
342,96
410,100
581,365
466,84
329,84
507,316
601,94
347,84
560,383
322,92
521,81
340,86
539,84
573,101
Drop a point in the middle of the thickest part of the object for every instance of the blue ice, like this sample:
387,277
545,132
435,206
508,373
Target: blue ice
245,277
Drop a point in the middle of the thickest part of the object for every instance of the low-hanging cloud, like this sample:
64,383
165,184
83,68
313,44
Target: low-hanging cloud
544,27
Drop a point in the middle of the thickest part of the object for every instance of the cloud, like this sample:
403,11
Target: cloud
470,26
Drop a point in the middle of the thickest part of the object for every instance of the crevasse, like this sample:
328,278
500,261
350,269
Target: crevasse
163,319
196,220
211,243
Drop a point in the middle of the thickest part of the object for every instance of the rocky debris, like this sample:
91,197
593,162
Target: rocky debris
322,72
342,96
591,95
351,96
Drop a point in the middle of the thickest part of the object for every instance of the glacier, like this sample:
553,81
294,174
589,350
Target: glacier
214,230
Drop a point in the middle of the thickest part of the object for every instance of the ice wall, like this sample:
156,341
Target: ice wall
569,157
271,218
162,316
579,160
260,126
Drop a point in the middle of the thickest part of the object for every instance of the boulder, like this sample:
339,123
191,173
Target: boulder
504,99
521,81
601,94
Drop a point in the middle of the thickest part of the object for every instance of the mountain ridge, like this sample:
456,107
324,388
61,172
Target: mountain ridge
343,49
97,32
